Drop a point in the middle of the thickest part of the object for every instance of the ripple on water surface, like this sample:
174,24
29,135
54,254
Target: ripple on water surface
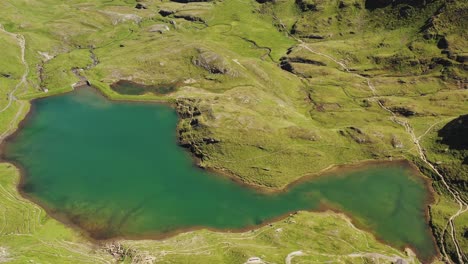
114,169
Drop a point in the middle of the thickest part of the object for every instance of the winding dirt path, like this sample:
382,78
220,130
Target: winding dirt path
463,206
291,255
11,95
22,43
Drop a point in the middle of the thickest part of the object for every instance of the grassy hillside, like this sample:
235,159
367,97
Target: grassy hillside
267,91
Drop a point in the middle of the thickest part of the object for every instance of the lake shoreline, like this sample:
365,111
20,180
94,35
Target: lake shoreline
332,169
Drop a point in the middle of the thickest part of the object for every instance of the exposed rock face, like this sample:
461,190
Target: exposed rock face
402,110
356,134
189,17
214,63
187,108
166,12
191,131
455,133
140,6
305,61
289,63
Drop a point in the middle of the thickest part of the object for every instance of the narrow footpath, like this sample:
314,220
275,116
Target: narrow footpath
463,206
11,95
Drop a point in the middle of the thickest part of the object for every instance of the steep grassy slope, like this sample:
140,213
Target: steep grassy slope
267,92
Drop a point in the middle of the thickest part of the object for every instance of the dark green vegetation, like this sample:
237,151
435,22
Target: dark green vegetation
75,152
269,91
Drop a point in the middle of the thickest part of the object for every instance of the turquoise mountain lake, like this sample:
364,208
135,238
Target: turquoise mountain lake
114,170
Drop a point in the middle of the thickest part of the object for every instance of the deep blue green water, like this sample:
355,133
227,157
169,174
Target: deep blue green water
114,169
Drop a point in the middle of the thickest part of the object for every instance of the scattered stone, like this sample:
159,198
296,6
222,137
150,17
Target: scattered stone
396,143
254,260
118,18
118,251
356,134
45,55
4,255
211,140
401,261
159,28
190,81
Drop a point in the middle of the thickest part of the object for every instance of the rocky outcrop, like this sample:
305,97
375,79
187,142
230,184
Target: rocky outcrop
213,63
189,17
140,6
403,111
306,5
306,61
187,108
191,131
396,142
166,12
356,134
291,64
159,28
